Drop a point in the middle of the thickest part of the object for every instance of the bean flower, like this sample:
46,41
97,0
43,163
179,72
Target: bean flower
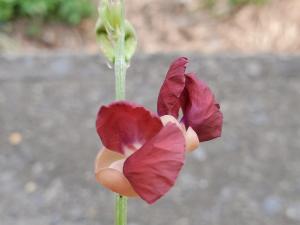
144,152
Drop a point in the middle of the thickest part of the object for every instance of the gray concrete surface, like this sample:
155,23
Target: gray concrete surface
251,176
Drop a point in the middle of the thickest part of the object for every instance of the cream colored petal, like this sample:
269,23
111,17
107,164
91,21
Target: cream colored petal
171,119
115,181
109,172
168,118
105,158
118,165
191,140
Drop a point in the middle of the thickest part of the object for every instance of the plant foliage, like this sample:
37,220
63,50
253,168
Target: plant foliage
69,11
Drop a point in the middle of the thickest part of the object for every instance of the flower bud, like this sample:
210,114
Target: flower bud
110,13
108,30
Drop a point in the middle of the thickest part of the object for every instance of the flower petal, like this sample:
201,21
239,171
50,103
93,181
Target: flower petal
153,169
171,119
115,181
108,172
191,140
105,158
124,125
200,109
168,102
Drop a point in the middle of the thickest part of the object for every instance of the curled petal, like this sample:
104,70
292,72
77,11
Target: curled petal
105,158
123,125
191,140
200,109
153,169
170,119
115,181
168,102
108,172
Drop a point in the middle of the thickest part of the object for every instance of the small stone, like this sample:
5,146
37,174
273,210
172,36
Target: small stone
30,187
293,212
15,138
272,205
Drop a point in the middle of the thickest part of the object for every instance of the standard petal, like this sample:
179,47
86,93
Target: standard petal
200,109
124,125
153,169
168,102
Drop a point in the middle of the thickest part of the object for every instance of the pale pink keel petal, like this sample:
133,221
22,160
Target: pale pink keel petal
168,102
124,125
170,119
191,140
200,109
105,158
109,172
115,181
153,169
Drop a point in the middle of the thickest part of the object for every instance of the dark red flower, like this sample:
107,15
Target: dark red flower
141,156
200,110
143,153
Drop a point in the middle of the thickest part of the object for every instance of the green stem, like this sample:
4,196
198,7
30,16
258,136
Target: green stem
120,85
121,210
120,63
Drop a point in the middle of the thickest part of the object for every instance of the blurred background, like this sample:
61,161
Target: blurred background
208,26
53,80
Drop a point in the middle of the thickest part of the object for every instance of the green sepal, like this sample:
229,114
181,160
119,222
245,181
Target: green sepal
130,41
105,42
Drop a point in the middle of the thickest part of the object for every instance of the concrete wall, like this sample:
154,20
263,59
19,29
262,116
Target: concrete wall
250,176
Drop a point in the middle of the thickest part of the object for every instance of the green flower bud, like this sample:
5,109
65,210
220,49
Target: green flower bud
110,15
108,31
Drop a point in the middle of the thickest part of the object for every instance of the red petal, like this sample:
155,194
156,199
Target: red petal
168,102
153,169
124,125
200,109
